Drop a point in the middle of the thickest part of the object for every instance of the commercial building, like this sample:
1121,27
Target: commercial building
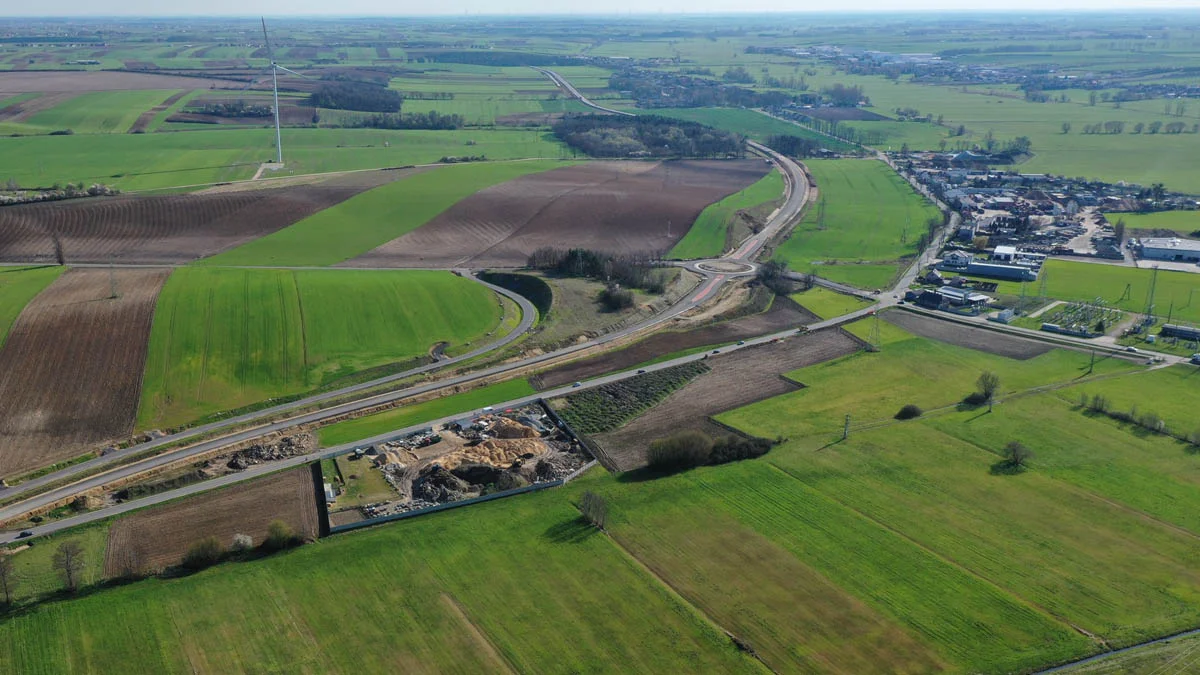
1173,249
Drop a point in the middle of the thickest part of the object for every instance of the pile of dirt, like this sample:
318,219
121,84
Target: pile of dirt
508,428
283,448
501,453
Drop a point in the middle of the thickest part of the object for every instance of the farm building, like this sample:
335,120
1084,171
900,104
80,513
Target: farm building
1172,248
1182,332
957,259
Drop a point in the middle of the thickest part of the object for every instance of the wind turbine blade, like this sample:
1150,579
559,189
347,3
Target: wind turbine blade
287,70
266,40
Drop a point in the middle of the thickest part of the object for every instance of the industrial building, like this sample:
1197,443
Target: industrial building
1181,332
1170,248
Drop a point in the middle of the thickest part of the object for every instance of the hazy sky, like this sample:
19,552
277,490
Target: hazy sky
458,7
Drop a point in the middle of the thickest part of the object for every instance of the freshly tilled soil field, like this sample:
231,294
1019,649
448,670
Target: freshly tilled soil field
71,369
966,336
783,314
740,378
618,207
164,228
154,539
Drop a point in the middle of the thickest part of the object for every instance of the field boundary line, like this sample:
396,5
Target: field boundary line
478,632
674,592
943,558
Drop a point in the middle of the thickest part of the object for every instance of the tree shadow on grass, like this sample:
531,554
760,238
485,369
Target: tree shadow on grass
646,474
574,531
1007,467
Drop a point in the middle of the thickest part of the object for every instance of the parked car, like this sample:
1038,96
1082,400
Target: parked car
24,533
577,384
641,371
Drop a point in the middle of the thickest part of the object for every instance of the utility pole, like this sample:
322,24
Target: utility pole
112,283
846,429
1092,365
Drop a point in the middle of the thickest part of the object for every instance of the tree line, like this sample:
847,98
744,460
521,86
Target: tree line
430,120
628,271
351,95
645,136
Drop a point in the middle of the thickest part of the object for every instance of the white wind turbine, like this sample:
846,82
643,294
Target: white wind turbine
275,68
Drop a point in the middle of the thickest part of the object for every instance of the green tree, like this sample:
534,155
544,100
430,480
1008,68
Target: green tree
988,384
204,553
8,578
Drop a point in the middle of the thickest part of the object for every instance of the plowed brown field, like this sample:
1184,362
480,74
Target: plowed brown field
980,339
165,228
737,379
783,314
157,538
619,207
71,369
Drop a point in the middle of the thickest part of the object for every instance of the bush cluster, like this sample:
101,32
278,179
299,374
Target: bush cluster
909,412
689,449
607,407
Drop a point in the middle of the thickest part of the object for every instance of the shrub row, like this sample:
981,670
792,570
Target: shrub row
607,407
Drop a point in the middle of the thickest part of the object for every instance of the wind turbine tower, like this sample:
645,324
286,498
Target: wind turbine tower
275,68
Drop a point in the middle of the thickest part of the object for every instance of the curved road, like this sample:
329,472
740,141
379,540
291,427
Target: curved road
796,195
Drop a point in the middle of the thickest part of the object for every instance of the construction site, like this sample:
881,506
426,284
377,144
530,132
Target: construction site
489,453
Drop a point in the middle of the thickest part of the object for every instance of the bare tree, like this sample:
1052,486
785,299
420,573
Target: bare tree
594,508
989,384
8,578
1066,127
1017,454
68,560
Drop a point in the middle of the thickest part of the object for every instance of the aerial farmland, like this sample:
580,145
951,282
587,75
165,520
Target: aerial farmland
790,343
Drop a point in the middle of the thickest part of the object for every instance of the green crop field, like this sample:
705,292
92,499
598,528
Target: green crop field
416,413
1183,223
152,161
1121,287
898,375
223,339
102,112
544,594
827,304
19,285
709,235
864,213
375,217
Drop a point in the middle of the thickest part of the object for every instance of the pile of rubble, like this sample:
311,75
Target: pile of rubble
270,451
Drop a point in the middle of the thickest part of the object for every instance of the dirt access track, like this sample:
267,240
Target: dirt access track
957,334
71,369
618,207
153,539
737,379
80,81
167,229
784,313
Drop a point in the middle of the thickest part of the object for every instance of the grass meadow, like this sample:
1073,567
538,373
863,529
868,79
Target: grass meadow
223,338
19,285
545,594
709,235
827,304
865,221
1117,286
1183,223
415,413
375,217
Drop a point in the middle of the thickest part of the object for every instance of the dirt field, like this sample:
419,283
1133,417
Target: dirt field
166,228
620,207
738,379
783,314
967,336
157,538
20,82
71,370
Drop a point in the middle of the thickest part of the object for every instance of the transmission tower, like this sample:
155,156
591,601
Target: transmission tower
1150,296
874,338
1042,286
